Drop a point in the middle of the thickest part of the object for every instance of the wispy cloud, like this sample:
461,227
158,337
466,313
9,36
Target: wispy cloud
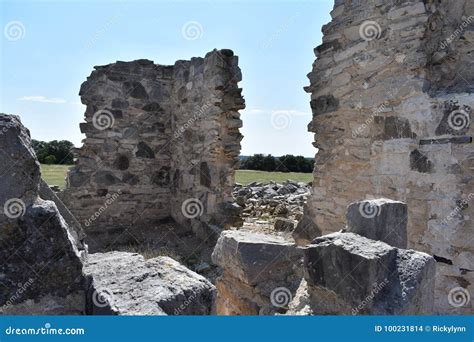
44,99
292,112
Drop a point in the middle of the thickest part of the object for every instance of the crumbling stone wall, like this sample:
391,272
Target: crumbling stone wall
391,95
206,141
161,141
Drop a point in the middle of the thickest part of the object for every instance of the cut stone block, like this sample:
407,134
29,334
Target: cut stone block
349,274
253,257
348,264
260,273
379,219
126,284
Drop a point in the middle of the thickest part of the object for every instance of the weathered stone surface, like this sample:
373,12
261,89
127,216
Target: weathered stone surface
306,230
261,273
348,264
162,137
253,257
20,169
41,256
349,274
126,284
402,76
379,219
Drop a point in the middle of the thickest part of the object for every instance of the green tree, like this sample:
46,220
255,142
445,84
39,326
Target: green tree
50,159
61,150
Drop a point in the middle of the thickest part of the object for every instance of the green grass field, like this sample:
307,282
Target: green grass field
55,175
249,176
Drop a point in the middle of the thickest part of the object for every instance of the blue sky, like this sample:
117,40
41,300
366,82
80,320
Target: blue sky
48,48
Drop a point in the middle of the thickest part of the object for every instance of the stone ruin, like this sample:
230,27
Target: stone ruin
342,273
45,268
391,95
162,144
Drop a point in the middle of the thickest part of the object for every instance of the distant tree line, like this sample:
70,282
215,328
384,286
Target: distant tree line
286,163
53,152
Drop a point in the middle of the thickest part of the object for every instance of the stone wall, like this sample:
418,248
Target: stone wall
161,141
206,140
391,95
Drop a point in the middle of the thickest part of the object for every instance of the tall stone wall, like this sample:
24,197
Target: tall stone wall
161,141
206,141
391,95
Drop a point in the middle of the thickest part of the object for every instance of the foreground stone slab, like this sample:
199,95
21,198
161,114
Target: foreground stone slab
349,274
260,273
41,258
379,219
348,264
253,257
126,284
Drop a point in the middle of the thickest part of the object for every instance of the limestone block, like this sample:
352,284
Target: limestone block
350,274
348,264
260,273
379,219
126,284
254,257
